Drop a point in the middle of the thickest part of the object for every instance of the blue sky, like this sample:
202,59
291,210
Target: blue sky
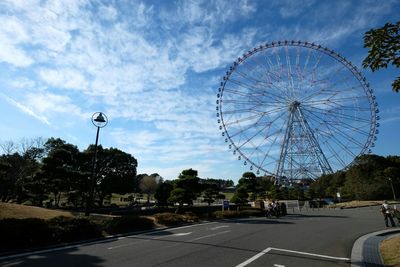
154,67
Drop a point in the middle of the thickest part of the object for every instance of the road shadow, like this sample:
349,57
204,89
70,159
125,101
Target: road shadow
302,216
61,258
261,220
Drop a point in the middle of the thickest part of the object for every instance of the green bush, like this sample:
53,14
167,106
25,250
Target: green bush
24,233
67,229
127,223
172,219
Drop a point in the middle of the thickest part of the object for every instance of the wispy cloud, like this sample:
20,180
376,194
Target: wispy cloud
25,109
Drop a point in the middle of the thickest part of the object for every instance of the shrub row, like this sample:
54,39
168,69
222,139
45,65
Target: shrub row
127,224
33,233
172,219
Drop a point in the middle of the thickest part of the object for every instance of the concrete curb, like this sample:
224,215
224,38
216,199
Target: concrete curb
365,252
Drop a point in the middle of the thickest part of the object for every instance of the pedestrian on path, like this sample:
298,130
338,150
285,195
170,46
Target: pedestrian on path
386,211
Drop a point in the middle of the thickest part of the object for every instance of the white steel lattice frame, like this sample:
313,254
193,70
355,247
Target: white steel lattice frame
296,110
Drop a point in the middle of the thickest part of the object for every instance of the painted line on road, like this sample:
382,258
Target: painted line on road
211,235
312,254
265,251
218,227
182,234
279,265
148,239
128,244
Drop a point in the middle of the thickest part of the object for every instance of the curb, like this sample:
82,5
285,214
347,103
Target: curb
365,252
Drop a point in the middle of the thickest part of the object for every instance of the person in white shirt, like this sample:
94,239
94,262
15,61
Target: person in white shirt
386,211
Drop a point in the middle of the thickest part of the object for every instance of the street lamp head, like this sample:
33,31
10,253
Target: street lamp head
100,118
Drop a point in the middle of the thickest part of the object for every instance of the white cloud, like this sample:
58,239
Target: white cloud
47,103
26,109
108,13
141,139
64,78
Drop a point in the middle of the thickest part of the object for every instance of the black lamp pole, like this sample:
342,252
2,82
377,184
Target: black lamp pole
391,184
99,120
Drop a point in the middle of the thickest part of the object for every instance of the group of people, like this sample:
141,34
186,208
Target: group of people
275,209
389,213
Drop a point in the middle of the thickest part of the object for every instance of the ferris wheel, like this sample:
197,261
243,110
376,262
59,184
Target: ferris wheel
295,110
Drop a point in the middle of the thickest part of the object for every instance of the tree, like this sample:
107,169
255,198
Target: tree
115,171
148,185
384,49
250,182
60,167
211,193
18,168
187,188
163,193
240,196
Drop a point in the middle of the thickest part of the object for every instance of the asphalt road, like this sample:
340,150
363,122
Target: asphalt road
311,238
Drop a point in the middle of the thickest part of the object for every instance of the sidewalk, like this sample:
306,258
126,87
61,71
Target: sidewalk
365,252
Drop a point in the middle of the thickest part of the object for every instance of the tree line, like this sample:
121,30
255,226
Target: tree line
37,171
371,177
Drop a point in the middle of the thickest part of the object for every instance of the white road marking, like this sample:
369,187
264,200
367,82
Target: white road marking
182,234
154,238
265,251
206,236
312,254
218,227
128,244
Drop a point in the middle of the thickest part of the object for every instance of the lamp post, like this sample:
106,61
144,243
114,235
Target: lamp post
391,184
99,119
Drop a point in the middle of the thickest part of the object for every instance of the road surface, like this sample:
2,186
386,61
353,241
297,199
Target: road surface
310,238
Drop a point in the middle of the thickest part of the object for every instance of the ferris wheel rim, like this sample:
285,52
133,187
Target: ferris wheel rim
373,130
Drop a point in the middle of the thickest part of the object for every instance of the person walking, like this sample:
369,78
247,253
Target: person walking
386,211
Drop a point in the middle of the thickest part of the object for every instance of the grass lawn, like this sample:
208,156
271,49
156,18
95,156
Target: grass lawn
390,251
9,210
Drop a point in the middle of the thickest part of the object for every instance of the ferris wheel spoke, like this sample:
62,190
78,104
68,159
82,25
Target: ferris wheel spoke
289,71
336,114
318,119
230,123
330,99
253,136
259,116
265,70
239,121
335,154
348,137
256,90
251,78
239,102
342,146
267,153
